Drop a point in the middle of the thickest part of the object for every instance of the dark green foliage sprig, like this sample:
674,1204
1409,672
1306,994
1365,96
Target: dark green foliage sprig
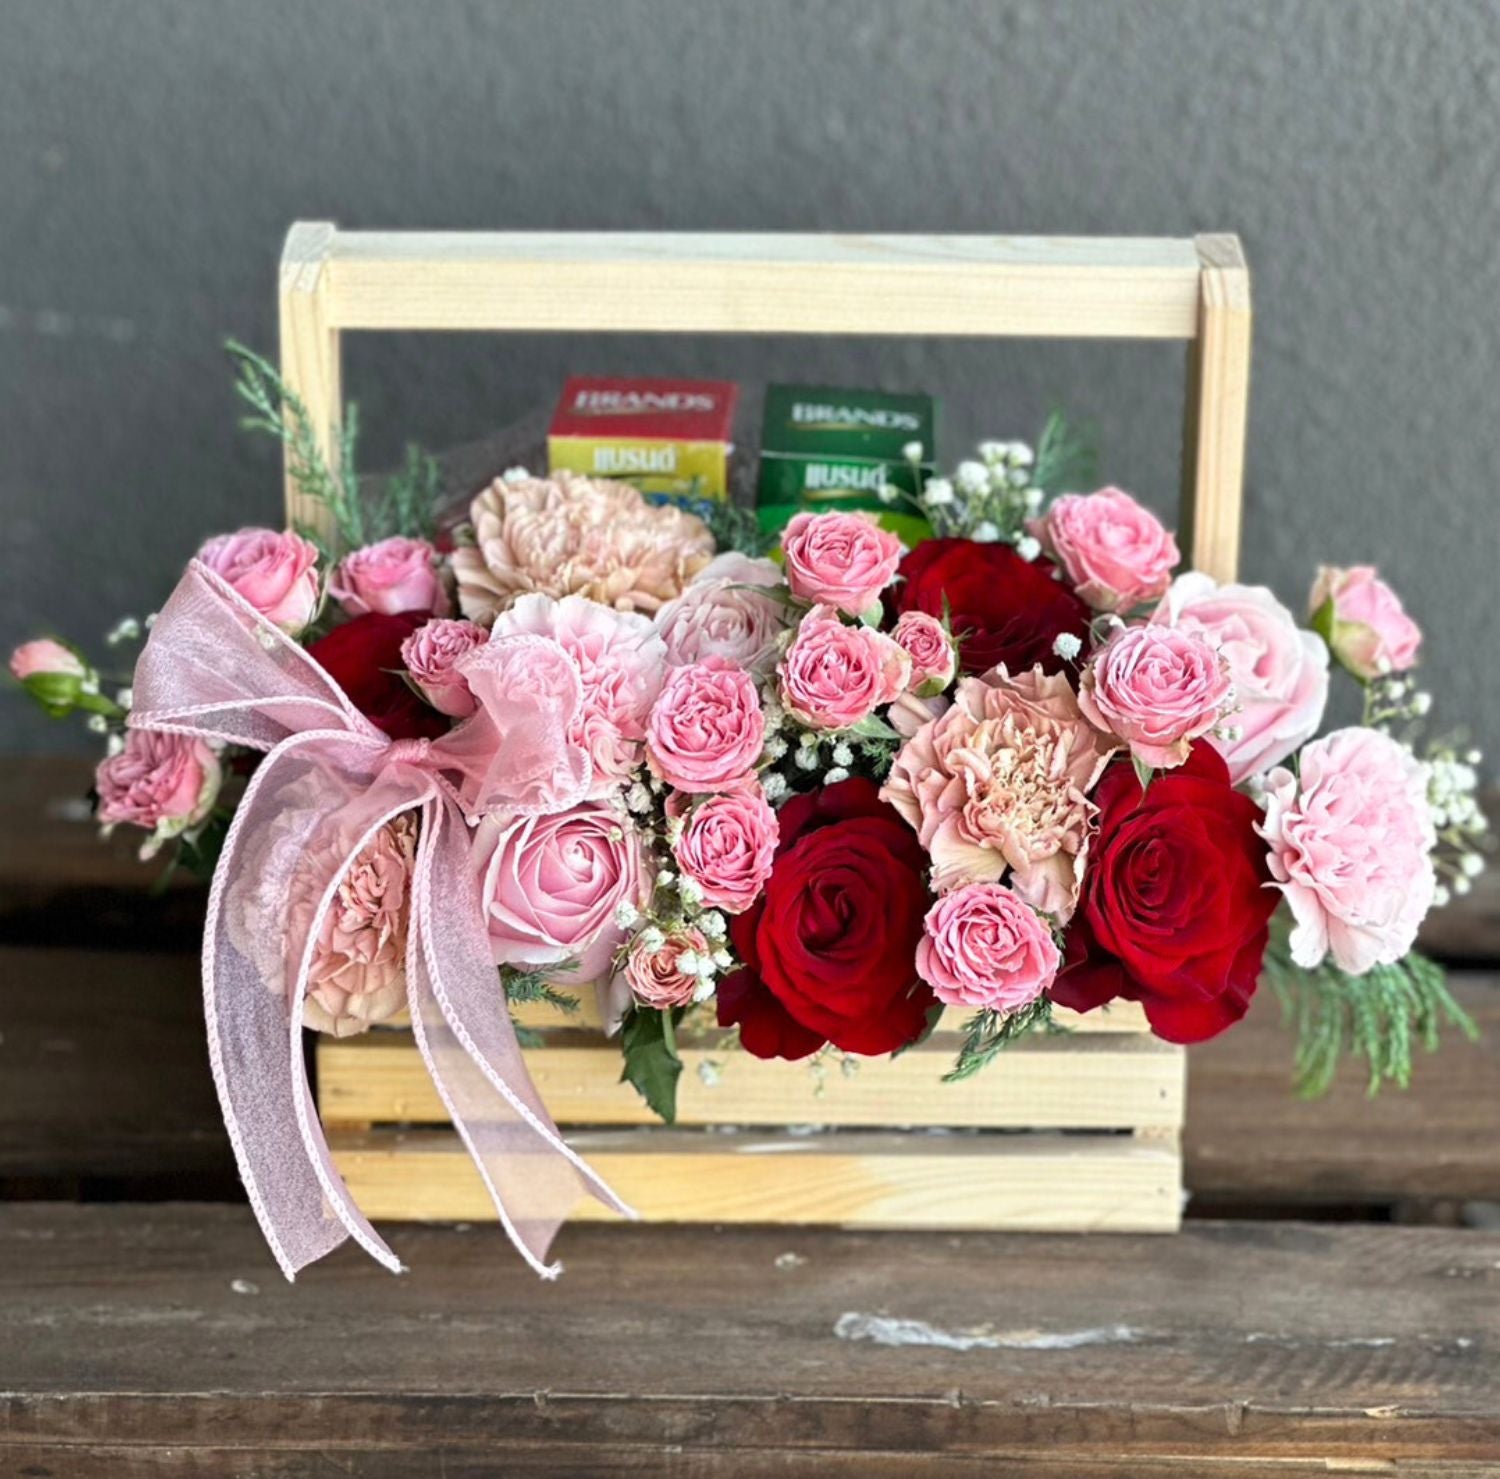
528,986
1067,456
988,1033
735,527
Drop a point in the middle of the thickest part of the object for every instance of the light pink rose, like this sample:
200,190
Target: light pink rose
984,947
834,675
165,783
1279,671
1115,553
1158,689
45,657
1351,849
276,573
390,577
925,640
727,846
706,729
909,713
999,782
1365,623
621,663
656,977
843,560
431,655
550,885
721,614
358,972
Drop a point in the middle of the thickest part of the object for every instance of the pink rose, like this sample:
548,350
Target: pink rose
1115,553
983,947
925,640
706,729
721,614
45,658
1350,848
550,885
842,560
1158,688
657,977
1279,671
727,846
1364,621
431,655
165,783
276,573
390,577
358,971
834,675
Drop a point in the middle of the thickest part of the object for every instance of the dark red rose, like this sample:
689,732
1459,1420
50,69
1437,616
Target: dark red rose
1002,608
1175,901
363,657
830,947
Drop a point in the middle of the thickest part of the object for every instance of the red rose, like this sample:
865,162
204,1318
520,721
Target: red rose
1002,608
1175,901
363,657
830,947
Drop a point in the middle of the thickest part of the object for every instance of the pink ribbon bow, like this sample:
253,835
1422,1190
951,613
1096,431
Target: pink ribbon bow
215,668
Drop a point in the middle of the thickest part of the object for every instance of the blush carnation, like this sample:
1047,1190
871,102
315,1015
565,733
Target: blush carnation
984,947
722,614
706,729
276,573
1115,553
431,655
839,559
165,783
1365,623
656,977
390,577
45,657
727,846
834,675
925,640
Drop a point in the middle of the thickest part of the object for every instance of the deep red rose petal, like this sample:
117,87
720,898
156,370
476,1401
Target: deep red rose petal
363,656
767,1029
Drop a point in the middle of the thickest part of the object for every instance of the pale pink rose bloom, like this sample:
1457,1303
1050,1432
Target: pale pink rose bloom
165,783
656,977
44,657
276,573
1279,671
431,655
1000,782
390,577
1369,630
727,846
721,614
358,972
839,559
1350,847
984,947
833,675
550,886
925,640
706,729
1158,688
1115,553
909,713
571,535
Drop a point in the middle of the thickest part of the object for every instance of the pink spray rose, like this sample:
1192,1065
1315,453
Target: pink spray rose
390,577
1364,621
550,885
843,560
276,573
721,614
925,640
43,657
1350,848
165,783
727,846
1158,689
834,675
431,655
706,728
657,978
983,947
1279,671
1115,553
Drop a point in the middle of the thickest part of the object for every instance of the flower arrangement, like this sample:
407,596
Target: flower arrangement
807,801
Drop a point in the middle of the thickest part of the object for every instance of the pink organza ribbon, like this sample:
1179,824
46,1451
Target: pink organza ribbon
215,668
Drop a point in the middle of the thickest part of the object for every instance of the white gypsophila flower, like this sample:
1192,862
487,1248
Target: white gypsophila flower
652,939
687,962
1067,645
114,745
1019,454
515,475
97,724
1033,499
1441,898
1472,864
912,451
675,828
972,478
125,697
806,759
834,776
842,754
1421,703
776,747
626,914
691,891
723,959
938,493
888,493
1028,547
666,878
713,924
707,966
124,630
774,786
985,532
701,992
638,798
993,452
1019,477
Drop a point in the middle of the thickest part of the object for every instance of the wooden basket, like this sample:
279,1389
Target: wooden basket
1068,1133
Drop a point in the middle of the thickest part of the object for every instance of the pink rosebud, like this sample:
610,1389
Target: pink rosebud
165,783
390,577
1351,844
843,560
1364,622
983,947
727,846
723,614
934,660
706,728
1158,688
657,977
1115,553
431,655
276,573
834,675
45,658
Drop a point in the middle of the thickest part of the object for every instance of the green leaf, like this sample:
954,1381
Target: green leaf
651,1062
872,727
1322,621
1143,772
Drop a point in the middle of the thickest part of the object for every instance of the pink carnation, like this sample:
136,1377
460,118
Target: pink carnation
925,640
431,655
165,783
839,559
1350,848
1158,689
983,947
45,657
834,675
1115,553
1366,625
276,573
723,614
706,730
390,577
727,846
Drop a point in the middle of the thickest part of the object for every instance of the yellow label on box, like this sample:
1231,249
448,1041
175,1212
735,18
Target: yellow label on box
679,470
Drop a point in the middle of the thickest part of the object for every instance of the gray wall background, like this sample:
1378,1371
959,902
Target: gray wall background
152,155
